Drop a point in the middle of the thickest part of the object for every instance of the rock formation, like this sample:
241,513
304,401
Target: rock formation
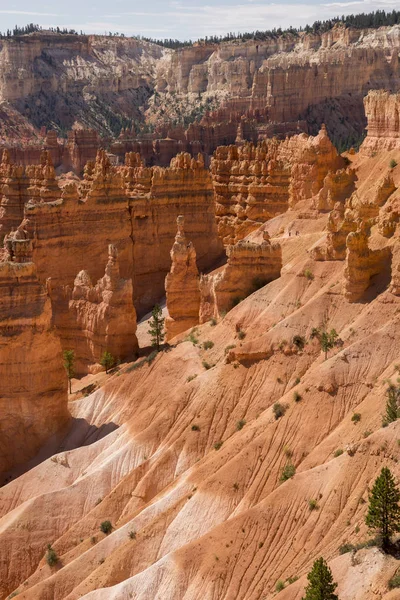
182,286
382,110
12,186
135,207
33,399
362,263
278,84
101,317
249,267
251,186
157,197
311,159
337,187
341,222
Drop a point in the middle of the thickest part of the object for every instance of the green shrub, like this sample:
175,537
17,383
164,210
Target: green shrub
218,445
236,487
107,361
206,365
241,335
392,164
299,341
356,418
213,321
292,579
346,548
106,527
366,434
288,472
190,378
308,274
195,428
51,556
394,582
208,345
279,410
296,396
279,586
228,348
338,452
240,424
313,504
132,535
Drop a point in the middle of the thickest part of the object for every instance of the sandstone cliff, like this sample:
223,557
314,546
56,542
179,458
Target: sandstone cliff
283,82
249,266
182,286
251,186
382,110
33,402
101,318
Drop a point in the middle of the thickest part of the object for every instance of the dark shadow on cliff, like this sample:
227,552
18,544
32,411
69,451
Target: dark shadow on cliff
77,434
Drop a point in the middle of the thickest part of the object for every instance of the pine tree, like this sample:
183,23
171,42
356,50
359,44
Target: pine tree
384,510
69,365
107,361
321,585
156,327
392,405
327,339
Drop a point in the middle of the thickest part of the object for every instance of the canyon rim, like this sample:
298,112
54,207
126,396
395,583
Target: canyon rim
200,314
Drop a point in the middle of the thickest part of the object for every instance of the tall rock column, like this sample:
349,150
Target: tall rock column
33,398
101,317
182,285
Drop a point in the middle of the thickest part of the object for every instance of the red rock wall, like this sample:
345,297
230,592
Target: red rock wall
33,399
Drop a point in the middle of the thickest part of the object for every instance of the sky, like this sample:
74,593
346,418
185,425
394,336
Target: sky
188,19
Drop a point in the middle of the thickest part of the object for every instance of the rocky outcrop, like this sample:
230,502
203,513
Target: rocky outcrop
276,83
249,267
12,186
341,222
251,186
362,263
311,159
337,187
33,399
101,317
133,207
382,110
157,197
182,286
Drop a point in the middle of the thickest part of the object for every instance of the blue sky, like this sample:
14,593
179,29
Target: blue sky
186,19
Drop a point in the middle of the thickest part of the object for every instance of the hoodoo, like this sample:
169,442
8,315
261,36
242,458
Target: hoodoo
33,397
202,239
182,285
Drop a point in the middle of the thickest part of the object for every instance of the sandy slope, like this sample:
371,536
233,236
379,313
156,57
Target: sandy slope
213,523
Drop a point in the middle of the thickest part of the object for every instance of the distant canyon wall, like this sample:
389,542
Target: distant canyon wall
282,85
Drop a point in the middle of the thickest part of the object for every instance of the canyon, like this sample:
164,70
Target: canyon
192,99
165,476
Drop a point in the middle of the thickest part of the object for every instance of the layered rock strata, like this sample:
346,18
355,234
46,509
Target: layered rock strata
310,159
249,267
251,186
101,317
133,207
33,399
362,263
382,110
337,187
182,286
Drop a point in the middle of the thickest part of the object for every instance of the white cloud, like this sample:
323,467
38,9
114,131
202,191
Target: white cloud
29,13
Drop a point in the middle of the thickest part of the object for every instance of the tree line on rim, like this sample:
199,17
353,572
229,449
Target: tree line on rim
372,20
